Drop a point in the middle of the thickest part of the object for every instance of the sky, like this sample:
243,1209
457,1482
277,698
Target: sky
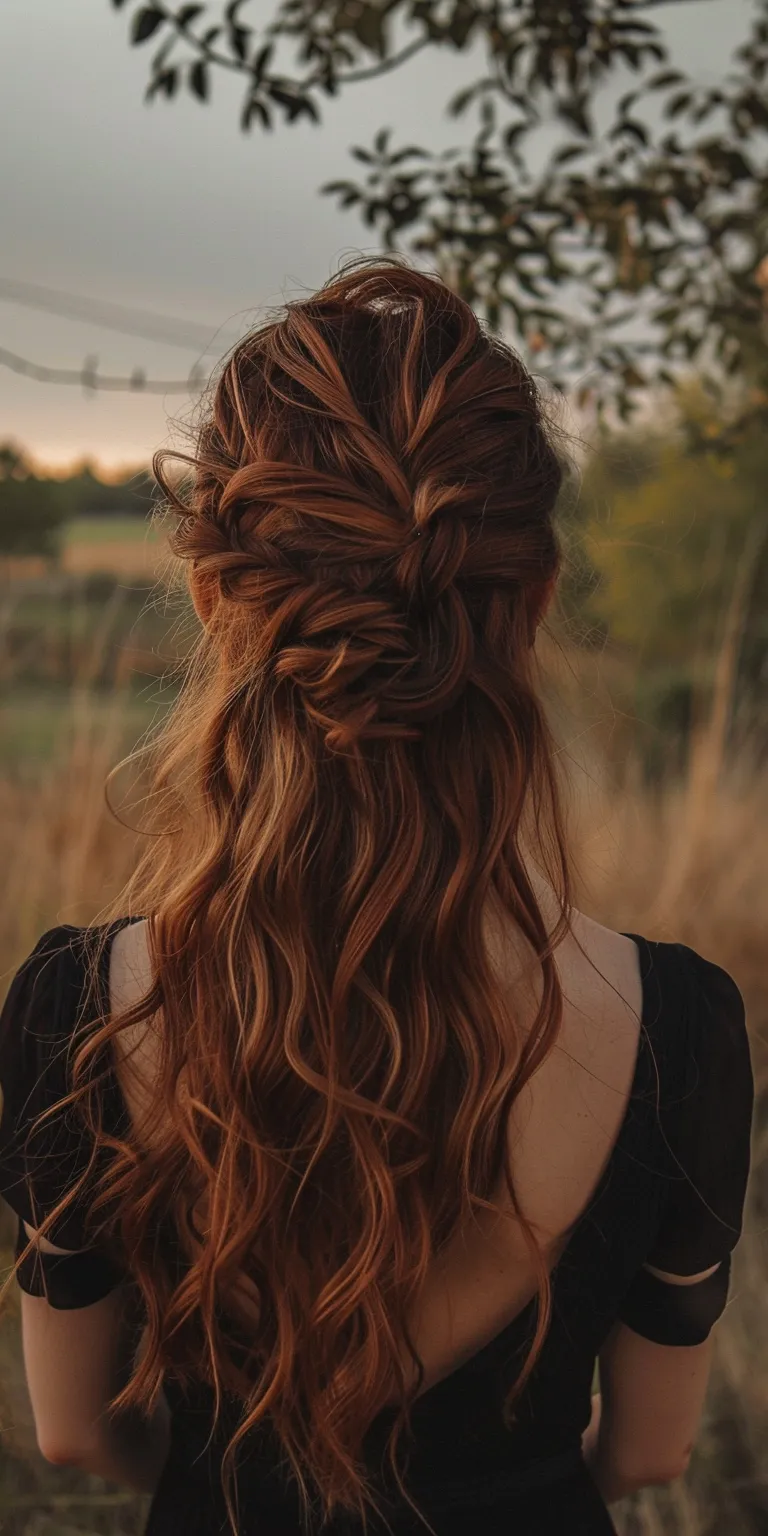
168,207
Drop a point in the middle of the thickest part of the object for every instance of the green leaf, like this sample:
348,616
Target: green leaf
575,113
462,25
678,104
295,105
238,39
188,13
369,30
513,133
461,100
164,82
342,187
631,54
570,152
634,129
757,109
636,27
261,61
407,153
255,108
146,23
307,108
666,78
199,80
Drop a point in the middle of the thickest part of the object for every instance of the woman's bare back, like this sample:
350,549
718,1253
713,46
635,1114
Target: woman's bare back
562,1129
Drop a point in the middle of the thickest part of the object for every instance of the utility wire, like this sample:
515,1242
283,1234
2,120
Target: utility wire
91,381
117,317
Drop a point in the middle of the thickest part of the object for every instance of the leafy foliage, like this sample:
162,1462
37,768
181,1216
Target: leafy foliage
31,510
86,494
660,215
655,541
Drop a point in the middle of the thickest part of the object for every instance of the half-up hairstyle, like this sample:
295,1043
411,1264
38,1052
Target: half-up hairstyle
357,766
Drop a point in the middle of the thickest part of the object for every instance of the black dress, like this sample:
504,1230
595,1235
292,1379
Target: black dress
672,1195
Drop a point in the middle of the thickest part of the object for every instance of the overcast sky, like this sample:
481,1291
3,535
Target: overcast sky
171,208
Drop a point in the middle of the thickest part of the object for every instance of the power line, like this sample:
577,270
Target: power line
117,317
138,383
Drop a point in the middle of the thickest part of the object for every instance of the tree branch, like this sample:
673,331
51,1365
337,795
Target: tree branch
242,67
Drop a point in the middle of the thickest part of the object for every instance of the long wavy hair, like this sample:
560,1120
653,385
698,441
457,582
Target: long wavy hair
357,766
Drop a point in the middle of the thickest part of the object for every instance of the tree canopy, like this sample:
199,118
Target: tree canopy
659,215
31,510
663,537
35,507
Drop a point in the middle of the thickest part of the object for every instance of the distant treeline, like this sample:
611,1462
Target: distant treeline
34,508
665,543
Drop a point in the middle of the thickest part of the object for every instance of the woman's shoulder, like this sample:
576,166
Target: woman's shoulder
41,1008
54,964
696,1020
678,967
55,988
49,992
718,1058
716,989
700,991
62,955
692,1006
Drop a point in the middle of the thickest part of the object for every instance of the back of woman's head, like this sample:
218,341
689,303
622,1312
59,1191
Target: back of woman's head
352,773
372,511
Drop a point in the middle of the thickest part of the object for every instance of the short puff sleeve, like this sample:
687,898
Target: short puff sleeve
39,1166
706,1123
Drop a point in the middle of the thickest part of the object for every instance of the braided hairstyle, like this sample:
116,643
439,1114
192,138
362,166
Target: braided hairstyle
362,523
357,767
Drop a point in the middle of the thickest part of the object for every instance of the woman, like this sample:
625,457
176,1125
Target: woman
369,1139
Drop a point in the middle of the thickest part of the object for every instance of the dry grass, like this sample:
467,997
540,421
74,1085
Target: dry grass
124,546
126,557
688,862
129,557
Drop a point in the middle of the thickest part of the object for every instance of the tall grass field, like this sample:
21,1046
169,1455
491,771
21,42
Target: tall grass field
88,653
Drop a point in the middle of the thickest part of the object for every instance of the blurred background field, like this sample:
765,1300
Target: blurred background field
120,543
655,668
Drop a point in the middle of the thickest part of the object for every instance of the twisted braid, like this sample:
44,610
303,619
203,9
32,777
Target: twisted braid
360,536
373,630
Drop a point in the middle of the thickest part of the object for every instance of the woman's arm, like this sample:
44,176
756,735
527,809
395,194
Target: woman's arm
76,1361
612,1484
645,1418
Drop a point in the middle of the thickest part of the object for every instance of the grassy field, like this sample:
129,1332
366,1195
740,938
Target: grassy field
127,545
86,673
100,625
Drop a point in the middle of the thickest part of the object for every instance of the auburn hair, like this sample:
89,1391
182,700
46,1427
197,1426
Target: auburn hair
357,764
